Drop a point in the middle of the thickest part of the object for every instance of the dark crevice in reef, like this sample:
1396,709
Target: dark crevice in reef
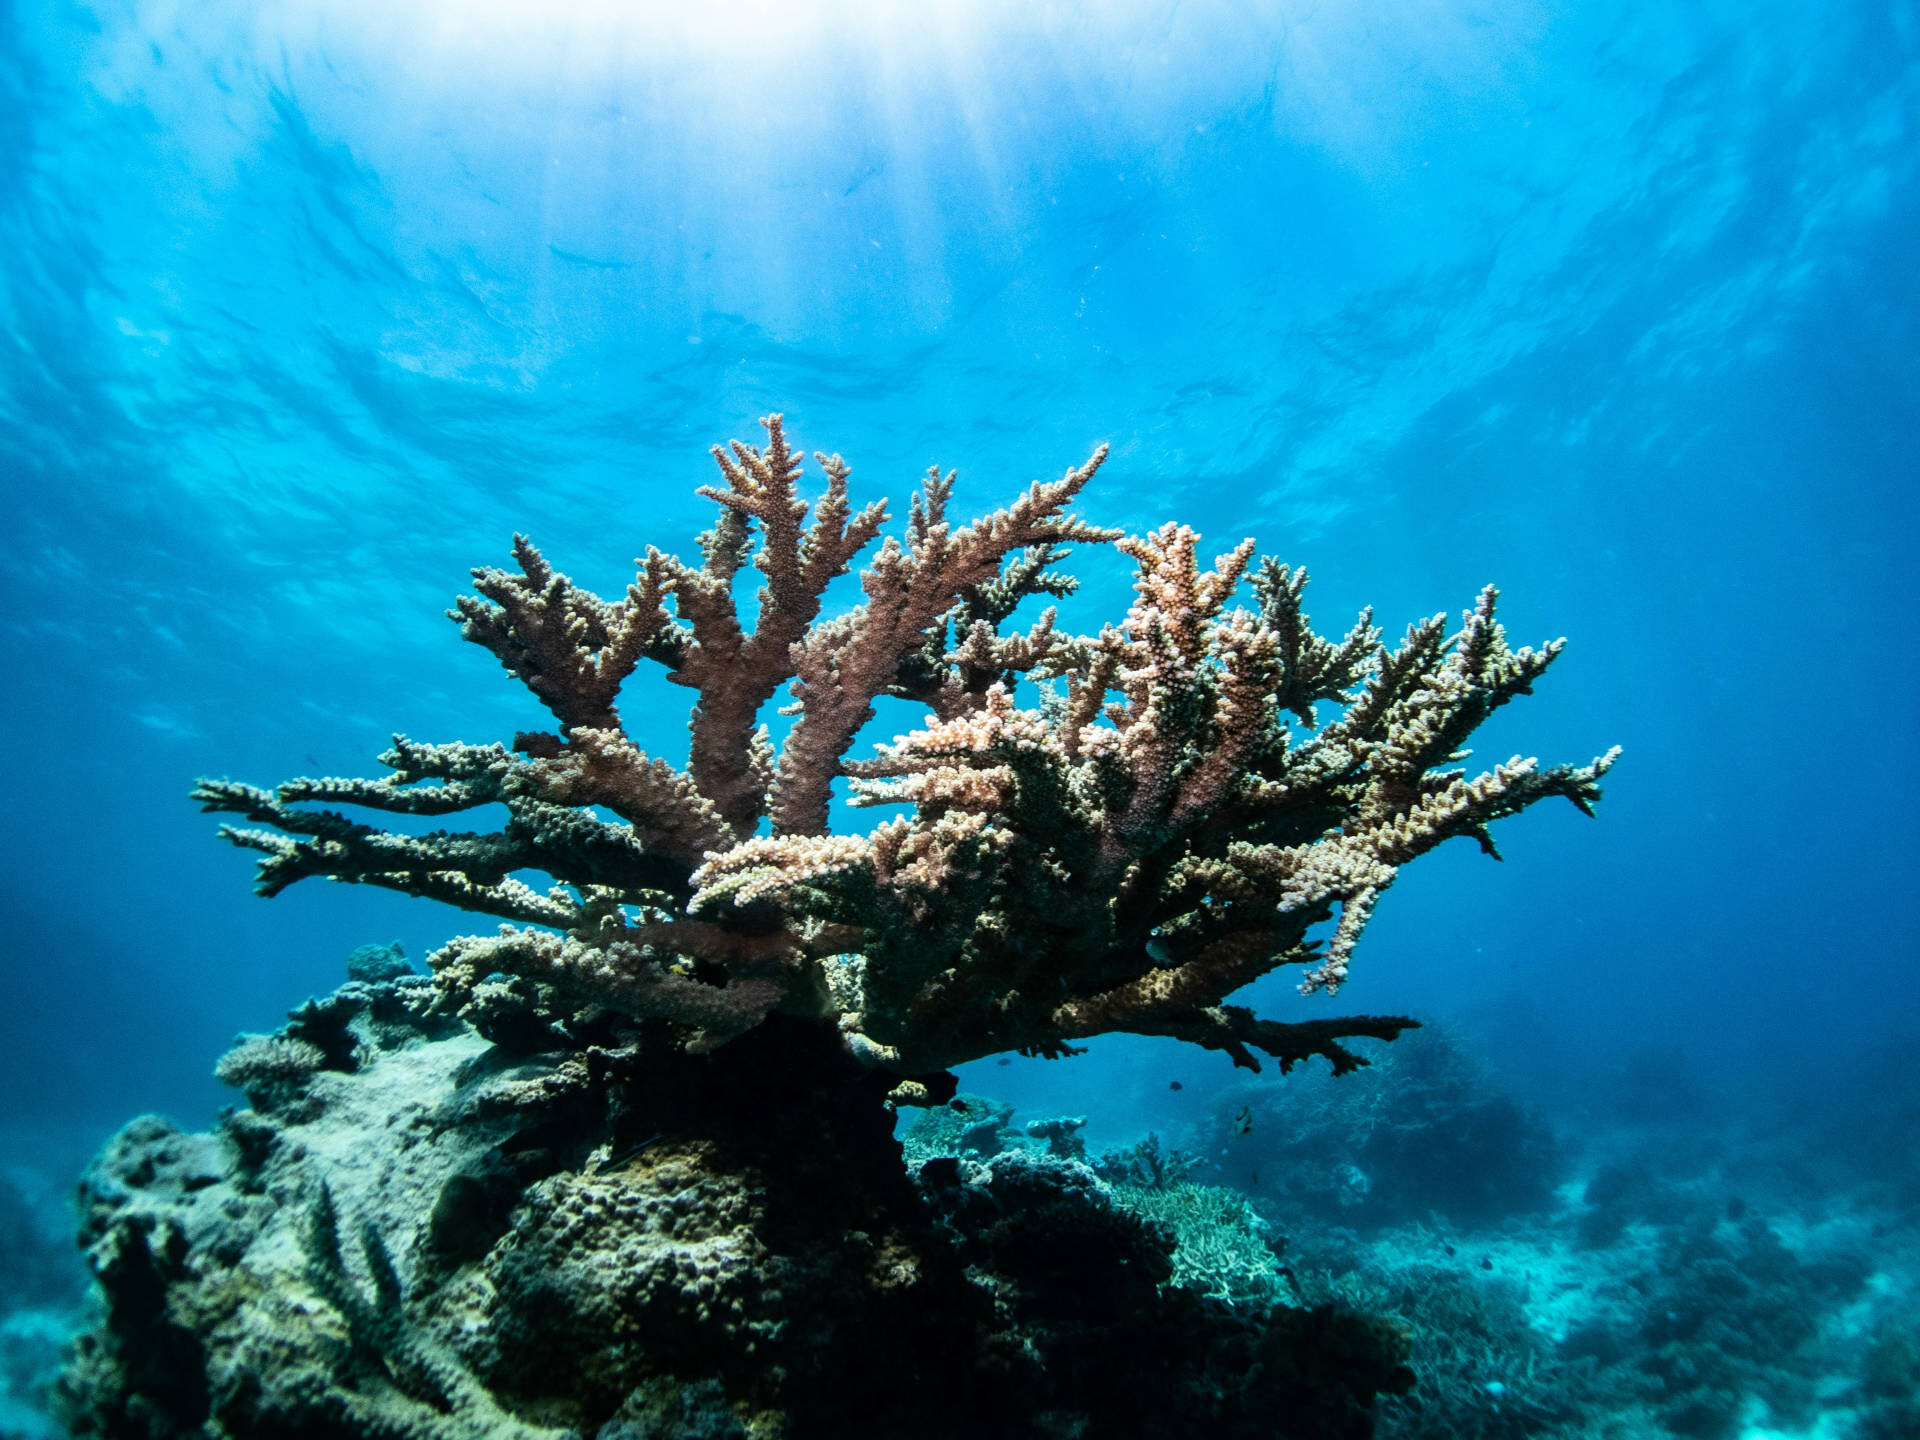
622,1240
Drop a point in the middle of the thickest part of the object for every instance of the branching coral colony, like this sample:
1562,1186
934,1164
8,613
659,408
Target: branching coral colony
1167,825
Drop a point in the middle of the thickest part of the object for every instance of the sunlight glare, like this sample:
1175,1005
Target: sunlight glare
612,35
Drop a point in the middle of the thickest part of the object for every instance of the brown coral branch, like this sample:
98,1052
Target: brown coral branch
546,830
669,815
572,649
1223,967
737,673
1234,1029
1312,669
621,975
1171,651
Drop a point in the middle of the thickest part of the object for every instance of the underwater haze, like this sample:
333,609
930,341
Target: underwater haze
307,309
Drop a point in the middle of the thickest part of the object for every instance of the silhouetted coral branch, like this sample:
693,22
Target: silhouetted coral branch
1167,824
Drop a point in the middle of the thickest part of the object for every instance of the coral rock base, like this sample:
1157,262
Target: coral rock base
435,1235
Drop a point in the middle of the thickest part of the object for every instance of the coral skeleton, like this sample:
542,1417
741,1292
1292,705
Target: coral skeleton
1168,821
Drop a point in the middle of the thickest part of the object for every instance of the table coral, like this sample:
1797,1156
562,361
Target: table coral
1167,822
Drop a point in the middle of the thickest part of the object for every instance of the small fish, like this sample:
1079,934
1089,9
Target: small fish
1175,1085
961,1106
1003,1060
1486,1262
627,1156
1449,1250
1243,1120
1254,1176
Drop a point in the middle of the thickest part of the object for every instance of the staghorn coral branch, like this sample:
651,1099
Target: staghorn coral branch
1355,910
1020,576
737,673
1180,746
951,680
960,678
840,667
1312,669
1244,718
1234,1029
471,871
341,859
768,865
572,649
467,776
1396,675
1167,826
669,816
624,975
1220,969
670,827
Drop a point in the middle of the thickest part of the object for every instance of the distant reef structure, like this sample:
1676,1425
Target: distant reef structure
626,1169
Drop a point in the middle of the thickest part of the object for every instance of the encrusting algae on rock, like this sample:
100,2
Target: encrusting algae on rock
627,1168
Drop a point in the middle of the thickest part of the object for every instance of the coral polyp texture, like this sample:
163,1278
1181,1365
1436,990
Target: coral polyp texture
1169,820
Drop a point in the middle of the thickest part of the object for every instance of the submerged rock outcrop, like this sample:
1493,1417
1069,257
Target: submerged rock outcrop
441,1232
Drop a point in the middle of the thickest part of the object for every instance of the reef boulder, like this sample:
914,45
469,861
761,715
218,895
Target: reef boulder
420,1232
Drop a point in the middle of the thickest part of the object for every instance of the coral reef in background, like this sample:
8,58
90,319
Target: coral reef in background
42,1291
1729,1287
1723,1314
1713,1296
1485,1371
34,1269
1221,1245
1424,1132
1167,822
439,1233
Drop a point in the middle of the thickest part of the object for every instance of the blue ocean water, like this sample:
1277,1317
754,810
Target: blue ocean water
307,308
